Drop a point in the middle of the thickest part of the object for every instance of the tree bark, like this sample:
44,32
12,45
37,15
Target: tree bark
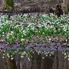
10,63
66,5
8,4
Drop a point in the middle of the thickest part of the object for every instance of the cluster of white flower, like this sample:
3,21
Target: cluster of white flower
39,24
17,4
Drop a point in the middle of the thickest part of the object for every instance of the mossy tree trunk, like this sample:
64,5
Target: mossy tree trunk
8,4
11,64
66,5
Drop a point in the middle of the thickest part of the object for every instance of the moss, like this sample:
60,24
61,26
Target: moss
8,7
9,4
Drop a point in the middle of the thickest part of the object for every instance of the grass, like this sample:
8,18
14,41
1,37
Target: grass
23,28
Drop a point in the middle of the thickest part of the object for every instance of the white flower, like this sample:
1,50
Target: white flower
3,35
33,52
43,33
32,28
3,57
46,55
3,54
11,32
11,55
12,58
65,57
24,32
29,59
49,54
24,53
25,15
8,56
22,39
22,56
42,57
7,21
19,4
49,38
4,50
15,4
44,15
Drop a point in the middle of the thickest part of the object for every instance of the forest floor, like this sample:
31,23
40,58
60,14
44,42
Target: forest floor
44,45
56,44
32,45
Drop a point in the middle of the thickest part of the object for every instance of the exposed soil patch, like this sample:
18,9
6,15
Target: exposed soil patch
42,45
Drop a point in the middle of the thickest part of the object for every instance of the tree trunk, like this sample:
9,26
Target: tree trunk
66,5
8,4
11,64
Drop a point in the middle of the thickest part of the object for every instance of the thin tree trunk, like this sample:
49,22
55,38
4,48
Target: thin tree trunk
10,63
66,5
